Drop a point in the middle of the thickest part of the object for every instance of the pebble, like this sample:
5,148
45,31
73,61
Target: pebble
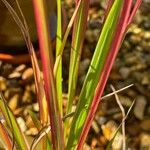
13,102
10,92
134,39
32,131
145,141
20,68
33,88
139,107
92,36
95,127
145,80
86,147
14,75
101,120
28,75
125,100
146,35
3,83
35,107
124,71
22,124
109,130
27,97
29,122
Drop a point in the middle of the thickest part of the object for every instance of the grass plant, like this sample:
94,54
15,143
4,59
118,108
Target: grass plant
58,130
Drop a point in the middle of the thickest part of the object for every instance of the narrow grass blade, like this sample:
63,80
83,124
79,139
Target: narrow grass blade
80,24
5,138
58,46
93,74
136,6
35,120
46,140
13,125
123,116
58,58
44,131
41,15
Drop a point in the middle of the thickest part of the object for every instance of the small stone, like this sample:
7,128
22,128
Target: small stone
95,127
145,141
89,36
137,76
130,59
29,122
22,124
109,129
36,107
146,35
145,45
20,68
134,39
33,88
92,36
27,97
125,101
124,71
86,147
3,84
101,120
137,30
28,75
32,131
132,93
145,80
94,143
14,75
13,102
140,107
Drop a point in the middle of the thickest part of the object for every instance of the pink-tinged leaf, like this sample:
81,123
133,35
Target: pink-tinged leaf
41,16
136,6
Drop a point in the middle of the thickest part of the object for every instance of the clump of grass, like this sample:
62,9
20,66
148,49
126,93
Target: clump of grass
71,133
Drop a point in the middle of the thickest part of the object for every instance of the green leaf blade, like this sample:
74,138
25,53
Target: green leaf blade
93,74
